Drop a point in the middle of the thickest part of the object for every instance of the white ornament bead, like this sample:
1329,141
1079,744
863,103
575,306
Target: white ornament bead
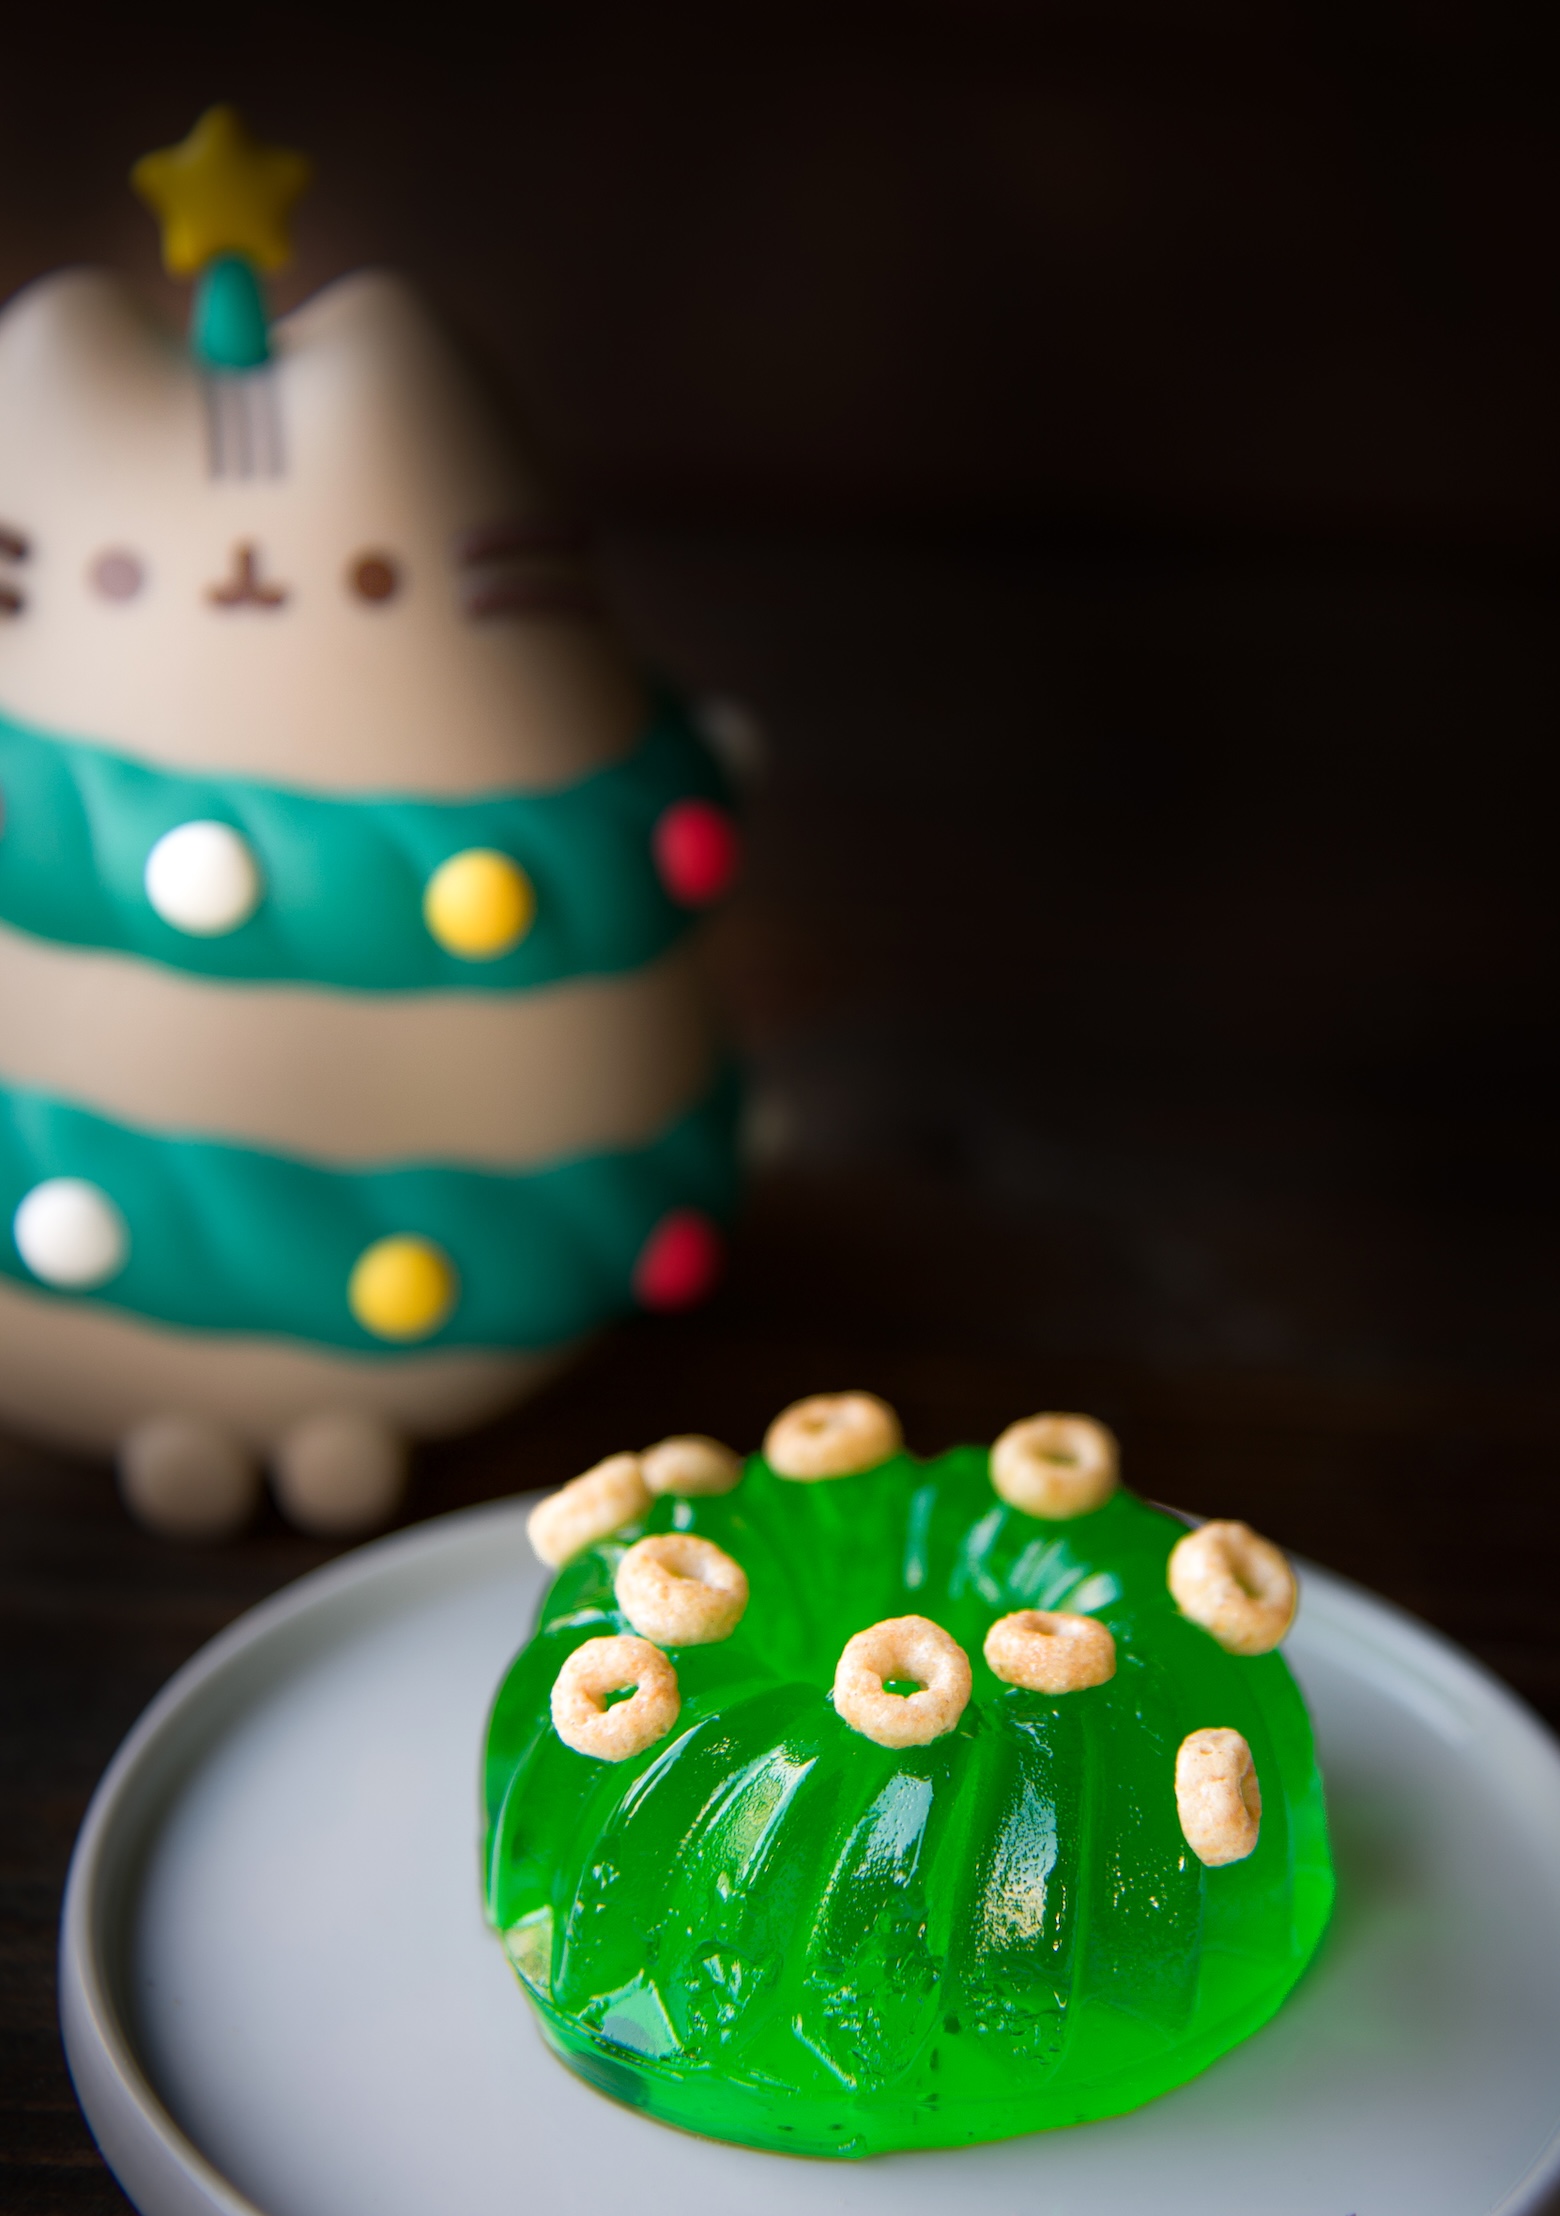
203,878
69,1233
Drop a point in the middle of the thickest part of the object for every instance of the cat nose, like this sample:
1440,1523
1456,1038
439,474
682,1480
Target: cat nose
245,588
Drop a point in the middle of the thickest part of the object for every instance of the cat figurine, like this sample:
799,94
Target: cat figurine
355,1061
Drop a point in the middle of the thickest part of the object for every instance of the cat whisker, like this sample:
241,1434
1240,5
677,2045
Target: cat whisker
529,595
523,568
516,541
13,548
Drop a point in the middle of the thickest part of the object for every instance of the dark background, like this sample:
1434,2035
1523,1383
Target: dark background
1116,451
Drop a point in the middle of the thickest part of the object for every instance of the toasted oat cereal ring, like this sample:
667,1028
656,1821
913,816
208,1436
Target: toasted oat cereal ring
588,1508
832,1435
690,1464
1056,1466
1217,1796
580,1713
1050,1651
681,1591
902,1647
1236,1585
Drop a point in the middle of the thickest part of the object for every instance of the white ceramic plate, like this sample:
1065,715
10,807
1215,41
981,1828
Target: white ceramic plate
278,1992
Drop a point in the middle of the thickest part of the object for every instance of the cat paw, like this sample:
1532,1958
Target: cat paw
340,1472
186,1477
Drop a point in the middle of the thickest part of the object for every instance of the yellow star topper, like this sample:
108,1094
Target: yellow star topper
221,192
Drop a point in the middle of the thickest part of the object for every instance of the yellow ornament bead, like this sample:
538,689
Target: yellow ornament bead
402,1288
479,904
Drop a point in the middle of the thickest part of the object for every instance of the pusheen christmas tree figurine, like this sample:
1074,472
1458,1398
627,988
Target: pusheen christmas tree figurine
353,1057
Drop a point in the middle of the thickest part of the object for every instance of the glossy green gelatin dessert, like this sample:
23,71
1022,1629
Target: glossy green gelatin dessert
846,1802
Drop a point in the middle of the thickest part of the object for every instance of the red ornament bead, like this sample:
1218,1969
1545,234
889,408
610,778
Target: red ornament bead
698,851
679,1262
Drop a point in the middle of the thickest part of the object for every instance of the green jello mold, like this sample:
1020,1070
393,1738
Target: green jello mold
769,1929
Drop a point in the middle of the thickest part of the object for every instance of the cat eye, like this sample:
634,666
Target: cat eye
117,575
374,577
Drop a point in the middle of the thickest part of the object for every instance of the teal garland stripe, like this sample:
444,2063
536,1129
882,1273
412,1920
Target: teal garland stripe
344,877
224,1238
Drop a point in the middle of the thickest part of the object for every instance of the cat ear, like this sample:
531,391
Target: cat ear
375,395
87,375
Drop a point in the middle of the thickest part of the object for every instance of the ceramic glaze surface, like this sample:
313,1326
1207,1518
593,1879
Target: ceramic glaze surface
326,867
220,1229
769,1929
333,903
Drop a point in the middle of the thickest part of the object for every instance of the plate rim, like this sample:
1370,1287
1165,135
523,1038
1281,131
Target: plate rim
154,2160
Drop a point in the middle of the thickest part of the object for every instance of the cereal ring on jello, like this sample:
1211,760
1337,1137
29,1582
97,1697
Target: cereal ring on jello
902,1647
832,1435
1056,1466
580,1713
590,1507
1050,1651
1236,1585
690,1464
681,1591
1217,1796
